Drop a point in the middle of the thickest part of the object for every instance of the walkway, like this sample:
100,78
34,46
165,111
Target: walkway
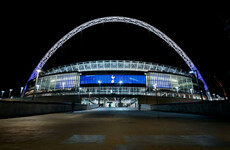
114,128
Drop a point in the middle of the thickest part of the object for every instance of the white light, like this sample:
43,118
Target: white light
191,91
155,85
39,70
21,90
120,82
2,93
176,89
63,85
37,86
99,81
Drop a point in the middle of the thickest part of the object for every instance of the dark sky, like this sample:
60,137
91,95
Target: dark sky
29,30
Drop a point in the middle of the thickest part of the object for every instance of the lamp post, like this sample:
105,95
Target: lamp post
191,91
199,89
35,86
63,85
21,91
177,89
2,94
10,92
79,94
155,88
120,82
99,82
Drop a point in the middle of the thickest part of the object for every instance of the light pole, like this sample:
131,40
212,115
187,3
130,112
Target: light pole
120,82
177,88
191,91
89,94
2,94
199,89
38,71
10,92
63,85
155,88
79,94
99,82
21,91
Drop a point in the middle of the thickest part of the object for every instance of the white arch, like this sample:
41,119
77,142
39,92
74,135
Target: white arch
117,19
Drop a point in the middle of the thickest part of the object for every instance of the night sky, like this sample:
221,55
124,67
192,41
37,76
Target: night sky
29,30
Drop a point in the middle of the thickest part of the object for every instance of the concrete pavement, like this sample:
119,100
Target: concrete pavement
114,128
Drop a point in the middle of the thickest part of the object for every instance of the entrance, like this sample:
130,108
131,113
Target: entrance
112,101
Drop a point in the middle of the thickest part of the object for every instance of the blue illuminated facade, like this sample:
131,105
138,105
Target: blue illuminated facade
113,79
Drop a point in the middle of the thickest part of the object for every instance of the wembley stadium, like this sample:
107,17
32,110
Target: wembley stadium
115,83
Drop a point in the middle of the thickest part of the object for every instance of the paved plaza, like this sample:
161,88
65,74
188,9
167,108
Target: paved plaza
115,129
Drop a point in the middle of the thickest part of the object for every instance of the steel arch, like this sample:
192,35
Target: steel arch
123,20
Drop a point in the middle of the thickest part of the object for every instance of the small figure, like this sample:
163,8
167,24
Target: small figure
139,107
73,104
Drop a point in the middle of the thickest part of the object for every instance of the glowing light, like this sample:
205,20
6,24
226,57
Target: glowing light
155,86
191,91
38,70
63,85
177,89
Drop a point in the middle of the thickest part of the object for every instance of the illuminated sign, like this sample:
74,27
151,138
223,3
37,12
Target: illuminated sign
113,79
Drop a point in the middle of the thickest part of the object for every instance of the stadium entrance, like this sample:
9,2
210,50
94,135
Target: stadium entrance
111,101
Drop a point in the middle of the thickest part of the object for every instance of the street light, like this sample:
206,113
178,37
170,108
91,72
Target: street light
120,82
63,85
196,75
2,94
79,94
10,92
155,88
99,82
177,89
38,71
21,90
191,91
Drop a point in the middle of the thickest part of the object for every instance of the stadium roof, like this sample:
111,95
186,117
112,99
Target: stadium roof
114,65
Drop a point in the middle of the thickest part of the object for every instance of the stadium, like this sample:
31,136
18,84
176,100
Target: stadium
115,83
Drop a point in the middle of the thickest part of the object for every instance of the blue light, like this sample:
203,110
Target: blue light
161,81
65,81
113,79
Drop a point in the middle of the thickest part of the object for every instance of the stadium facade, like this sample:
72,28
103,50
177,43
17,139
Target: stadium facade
117,82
